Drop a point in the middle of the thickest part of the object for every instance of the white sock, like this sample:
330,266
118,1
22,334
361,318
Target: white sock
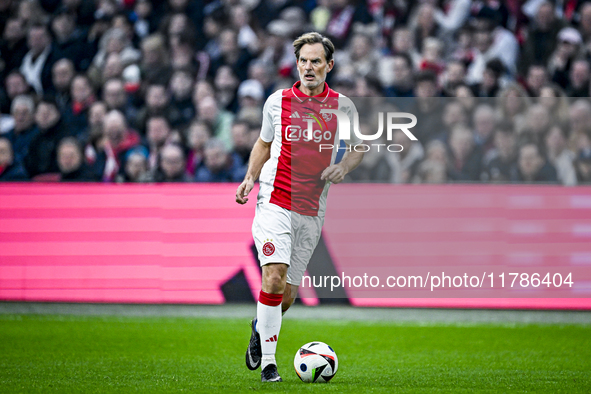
269,325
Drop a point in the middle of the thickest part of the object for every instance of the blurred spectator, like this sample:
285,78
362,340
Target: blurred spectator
265,74
181,86
219,166
62,75
560,63
532,166
512,102
82,97
431,171
431,56
70,41
29,12
157,100
492,41
555,102
580,123
427,107
241,141
401,82
172,166
541,37
240,21
583,167
484,123
455,15
226,86
13,45
199,134
424,25
136,166
143,17
37,63
9,169
94,136
437,151
158,132
466,157
537,123
454,75
403,42
404,164
585,21
115,97
344,15
115,41
42,156
537,76
578,81
559,156
231,55
24,130
491,81
118,140
175,26
218,120
465,96
361,58
71,163
15,84
453,115
251,95
155,65
503,158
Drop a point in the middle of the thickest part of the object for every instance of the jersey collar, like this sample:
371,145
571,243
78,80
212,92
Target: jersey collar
295,89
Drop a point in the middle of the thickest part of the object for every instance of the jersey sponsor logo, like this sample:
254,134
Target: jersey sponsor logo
296,133
268,249
295,115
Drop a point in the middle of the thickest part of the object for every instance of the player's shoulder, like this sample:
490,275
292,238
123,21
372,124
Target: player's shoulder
275,98
344,101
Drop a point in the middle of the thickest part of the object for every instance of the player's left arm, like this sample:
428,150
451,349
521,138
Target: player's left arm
336,172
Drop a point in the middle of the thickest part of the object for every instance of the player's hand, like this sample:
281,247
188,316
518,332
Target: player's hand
243,190
335,174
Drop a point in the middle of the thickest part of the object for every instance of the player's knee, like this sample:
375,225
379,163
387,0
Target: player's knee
274,280
276,284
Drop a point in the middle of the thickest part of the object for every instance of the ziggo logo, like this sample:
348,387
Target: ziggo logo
295,133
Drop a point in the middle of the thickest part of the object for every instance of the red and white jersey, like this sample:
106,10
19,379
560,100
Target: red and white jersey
291,177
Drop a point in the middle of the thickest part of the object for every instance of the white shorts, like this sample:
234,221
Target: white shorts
283,236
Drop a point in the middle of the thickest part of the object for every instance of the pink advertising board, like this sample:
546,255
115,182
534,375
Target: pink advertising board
181,243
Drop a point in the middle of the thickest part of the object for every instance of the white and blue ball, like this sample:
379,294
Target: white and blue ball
316,362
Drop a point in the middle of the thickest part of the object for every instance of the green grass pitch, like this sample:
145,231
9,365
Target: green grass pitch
83,354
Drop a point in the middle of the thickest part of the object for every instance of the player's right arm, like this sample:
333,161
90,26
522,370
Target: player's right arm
261,152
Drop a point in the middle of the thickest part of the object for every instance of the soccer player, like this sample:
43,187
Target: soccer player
295,169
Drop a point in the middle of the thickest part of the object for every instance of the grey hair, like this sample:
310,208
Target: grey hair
23,99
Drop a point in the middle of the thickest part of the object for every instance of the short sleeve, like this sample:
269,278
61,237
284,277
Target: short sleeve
267,129
349,108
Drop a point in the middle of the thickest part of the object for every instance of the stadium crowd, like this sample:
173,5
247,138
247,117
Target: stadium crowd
172,90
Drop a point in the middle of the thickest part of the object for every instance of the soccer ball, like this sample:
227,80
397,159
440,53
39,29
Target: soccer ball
316,362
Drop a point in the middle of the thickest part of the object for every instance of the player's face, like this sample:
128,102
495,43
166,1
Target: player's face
312,66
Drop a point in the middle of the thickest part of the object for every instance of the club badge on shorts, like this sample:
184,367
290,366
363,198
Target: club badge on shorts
268,248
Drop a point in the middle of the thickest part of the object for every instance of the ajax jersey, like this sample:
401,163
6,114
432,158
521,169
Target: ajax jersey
304,144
